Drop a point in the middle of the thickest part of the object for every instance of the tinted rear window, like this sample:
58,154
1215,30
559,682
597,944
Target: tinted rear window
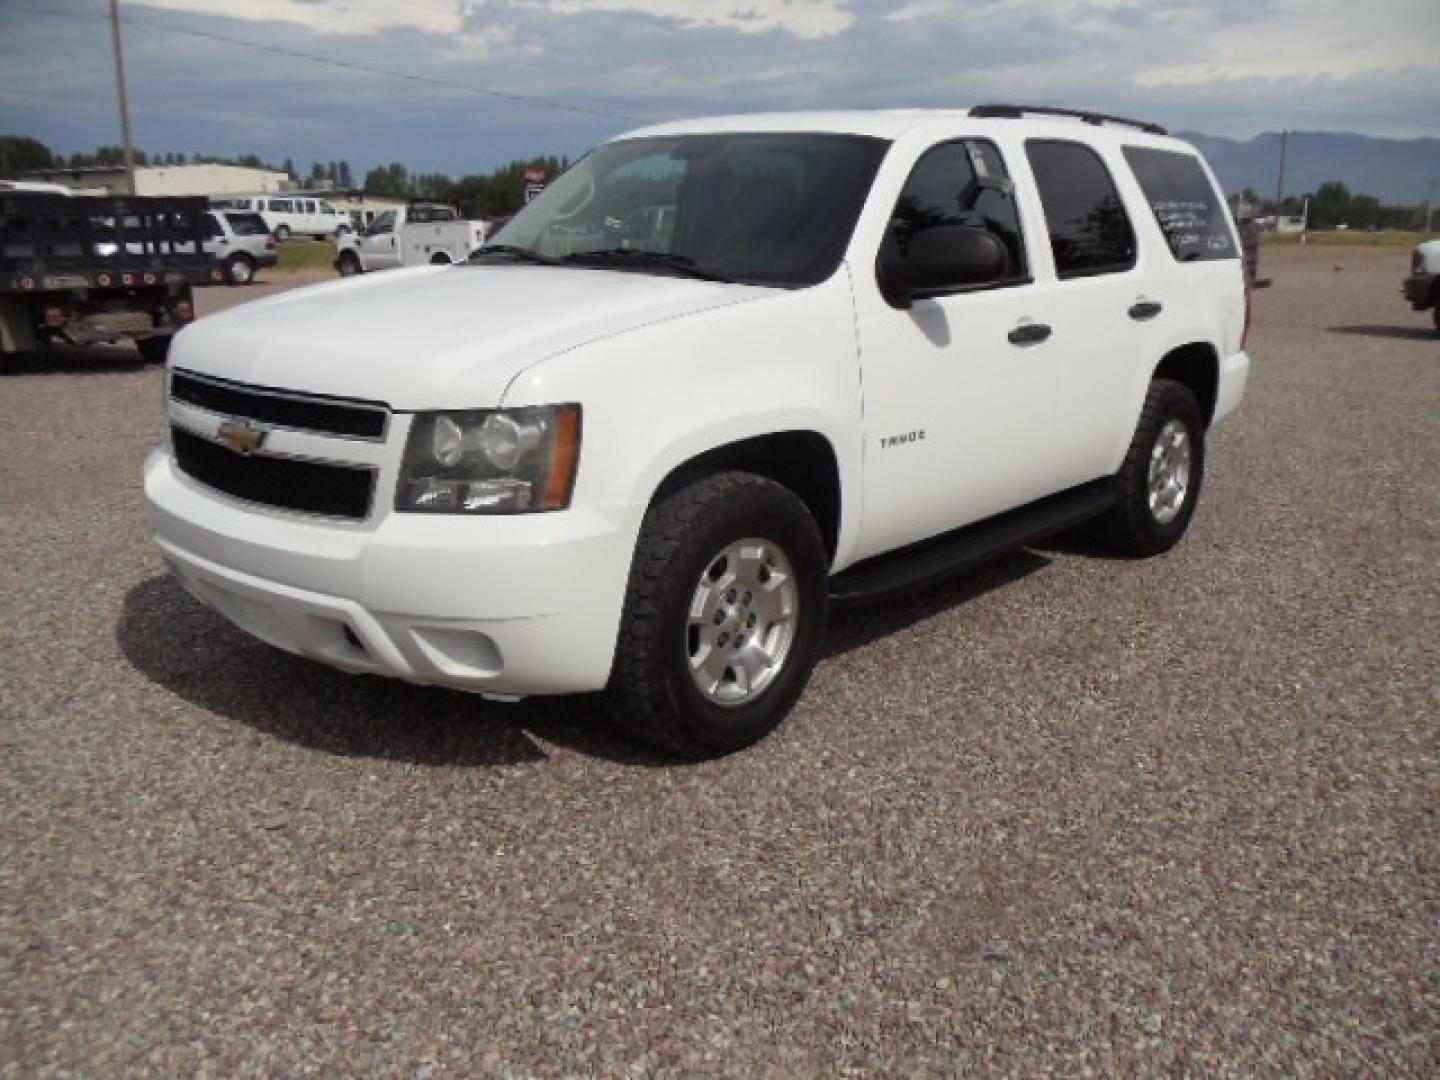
247,224
1185,204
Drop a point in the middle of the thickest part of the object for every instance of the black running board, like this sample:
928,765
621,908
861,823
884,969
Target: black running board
940,557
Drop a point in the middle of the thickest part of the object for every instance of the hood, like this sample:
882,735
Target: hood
434,337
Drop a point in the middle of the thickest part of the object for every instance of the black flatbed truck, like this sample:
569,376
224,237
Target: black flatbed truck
87,269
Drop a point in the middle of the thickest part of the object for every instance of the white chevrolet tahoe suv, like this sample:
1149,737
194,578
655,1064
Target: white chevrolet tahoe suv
720,374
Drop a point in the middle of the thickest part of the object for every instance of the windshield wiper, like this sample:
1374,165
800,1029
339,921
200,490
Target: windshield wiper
523,254
639,257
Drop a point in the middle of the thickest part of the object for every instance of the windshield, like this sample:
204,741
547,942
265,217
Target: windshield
773,209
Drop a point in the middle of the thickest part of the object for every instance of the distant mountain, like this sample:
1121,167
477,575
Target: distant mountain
1395,171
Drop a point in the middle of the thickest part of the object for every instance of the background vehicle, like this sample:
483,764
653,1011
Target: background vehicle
417,234
34,185
237,239
291,214
718,375
1422,287
240,242
89,269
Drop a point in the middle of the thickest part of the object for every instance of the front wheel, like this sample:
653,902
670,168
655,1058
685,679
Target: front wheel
723,617
348,264
1159,481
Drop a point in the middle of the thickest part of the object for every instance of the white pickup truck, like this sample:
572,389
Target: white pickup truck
413,235
719,375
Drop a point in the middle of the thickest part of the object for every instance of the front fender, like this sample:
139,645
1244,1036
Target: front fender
660,395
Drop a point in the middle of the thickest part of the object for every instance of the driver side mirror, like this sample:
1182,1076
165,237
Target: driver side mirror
940,260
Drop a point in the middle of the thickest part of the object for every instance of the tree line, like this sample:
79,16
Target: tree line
1333,203
494,194
499,192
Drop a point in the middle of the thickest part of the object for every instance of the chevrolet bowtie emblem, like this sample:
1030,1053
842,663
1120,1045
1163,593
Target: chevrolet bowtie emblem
239,436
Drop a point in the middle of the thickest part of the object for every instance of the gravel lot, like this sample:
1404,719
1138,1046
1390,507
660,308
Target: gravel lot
1071,814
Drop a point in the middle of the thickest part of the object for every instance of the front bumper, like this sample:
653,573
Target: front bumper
518,605
1419,289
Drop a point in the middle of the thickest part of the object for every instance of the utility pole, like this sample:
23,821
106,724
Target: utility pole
1280,180
124,98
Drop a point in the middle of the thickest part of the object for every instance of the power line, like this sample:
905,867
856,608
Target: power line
353,65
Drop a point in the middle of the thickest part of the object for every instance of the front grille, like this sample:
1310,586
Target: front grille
311,487
329,416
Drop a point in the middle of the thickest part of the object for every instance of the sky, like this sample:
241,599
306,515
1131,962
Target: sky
1221,67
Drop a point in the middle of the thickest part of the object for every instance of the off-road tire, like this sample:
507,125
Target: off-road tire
1131,528
154,350
652,696
239,270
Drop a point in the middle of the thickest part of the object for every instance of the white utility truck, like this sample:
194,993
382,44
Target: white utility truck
416,234
716,377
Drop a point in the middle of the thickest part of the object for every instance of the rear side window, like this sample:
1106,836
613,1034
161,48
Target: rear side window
1186,207
247,224
1090,233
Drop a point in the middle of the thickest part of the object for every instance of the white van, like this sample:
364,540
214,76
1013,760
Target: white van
294,214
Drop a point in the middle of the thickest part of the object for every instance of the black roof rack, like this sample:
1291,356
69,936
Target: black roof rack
1015,112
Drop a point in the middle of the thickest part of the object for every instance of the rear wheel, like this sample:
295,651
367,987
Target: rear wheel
154,350
348,264
239,270
282,233
723,617
1159,481
439,259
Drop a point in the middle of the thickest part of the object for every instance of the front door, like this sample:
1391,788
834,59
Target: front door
377,246
965,412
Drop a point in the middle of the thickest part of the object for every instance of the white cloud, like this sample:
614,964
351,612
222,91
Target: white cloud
332,16
1305,39
808,19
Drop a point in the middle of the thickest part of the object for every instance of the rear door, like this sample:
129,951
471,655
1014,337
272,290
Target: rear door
1102,314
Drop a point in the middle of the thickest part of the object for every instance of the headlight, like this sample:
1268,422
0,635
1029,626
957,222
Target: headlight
490,461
